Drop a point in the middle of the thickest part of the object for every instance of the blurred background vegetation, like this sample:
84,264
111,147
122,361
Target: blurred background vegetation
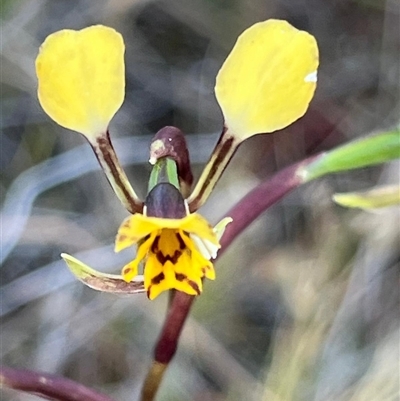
305,305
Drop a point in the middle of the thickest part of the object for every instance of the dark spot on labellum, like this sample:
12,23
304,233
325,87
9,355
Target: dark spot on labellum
165,258
122,237
157,279
154,245
194,286
180,276
182,245
127,270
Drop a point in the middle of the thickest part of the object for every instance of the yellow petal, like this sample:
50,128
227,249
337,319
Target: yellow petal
157,277
190,287
138,226
133,229
181,276
198,225
81,78
268,79
207,248
219,229
130,270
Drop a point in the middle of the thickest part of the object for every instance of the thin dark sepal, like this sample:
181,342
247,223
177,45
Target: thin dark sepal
219,160
47,385
105,153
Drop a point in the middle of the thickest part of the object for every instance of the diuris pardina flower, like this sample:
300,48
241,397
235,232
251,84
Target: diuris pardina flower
265,84
176,248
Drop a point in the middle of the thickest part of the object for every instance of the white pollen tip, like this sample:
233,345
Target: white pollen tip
153,160
311,77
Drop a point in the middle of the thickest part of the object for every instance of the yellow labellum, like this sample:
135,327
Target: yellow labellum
81,78
176,252
268,79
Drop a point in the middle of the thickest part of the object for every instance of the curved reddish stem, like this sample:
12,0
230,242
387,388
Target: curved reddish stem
49,386
261,198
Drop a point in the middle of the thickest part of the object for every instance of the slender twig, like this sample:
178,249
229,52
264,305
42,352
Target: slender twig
115,174
49,386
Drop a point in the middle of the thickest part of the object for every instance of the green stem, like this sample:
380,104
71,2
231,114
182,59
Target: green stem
153,381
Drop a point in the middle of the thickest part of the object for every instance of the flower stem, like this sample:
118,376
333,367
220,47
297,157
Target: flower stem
167,343
115,174
153,381
261,198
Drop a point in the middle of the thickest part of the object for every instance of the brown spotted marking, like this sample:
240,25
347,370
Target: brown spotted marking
164,258
182,245
194,286
157,279
180,276
154,281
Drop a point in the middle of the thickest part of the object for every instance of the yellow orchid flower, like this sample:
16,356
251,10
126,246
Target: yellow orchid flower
265,84
176,252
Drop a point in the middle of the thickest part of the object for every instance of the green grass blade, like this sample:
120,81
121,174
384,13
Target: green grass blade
364,152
